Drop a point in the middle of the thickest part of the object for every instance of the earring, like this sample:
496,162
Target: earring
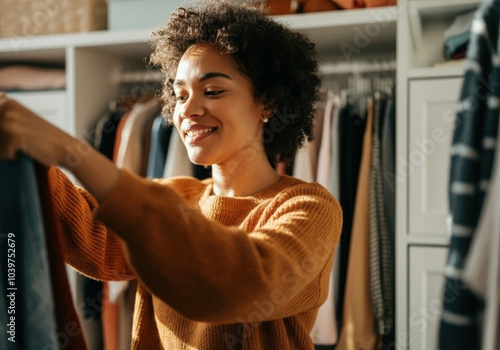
265,117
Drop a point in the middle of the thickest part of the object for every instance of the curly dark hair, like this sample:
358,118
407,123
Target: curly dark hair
282,65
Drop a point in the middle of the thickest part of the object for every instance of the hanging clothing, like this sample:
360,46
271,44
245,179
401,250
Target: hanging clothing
358,323
324,165
305,163
21,225
92,292
334,188
177,163
201,172
334,180
388,170
118,297
146,145
325,328
352,4
70,331
131,144
388,150
481,272
381,258
118,137
351,131
160,138
472,155
105,133
37,283
89,293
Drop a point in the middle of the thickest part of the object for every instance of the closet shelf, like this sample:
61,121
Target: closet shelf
141,76
61,41
53,48
442,8
358,67
348,34
430,241
427,11
435,72
331,19
361,30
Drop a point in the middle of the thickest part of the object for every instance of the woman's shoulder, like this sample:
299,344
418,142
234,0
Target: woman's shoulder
293,184
299,190
308,200
185,184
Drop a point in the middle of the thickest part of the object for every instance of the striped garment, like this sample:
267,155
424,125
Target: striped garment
472,156
381,258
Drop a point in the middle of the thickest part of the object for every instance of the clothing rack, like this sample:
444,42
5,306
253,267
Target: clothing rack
329,68
140,76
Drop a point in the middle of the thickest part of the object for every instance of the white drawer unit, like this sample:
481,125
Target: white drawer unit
51,105
431,123
426,283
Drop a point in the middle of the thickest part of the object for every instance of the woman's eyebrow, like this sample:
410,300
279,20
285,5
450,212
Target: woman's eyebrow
205,76
211,75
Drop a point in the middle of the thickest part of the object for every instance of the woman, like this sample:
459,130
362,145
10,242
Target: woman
241,260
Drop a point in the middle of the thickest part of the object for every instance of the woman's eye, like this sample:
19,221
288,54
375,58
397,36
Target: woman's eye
180,98
212,93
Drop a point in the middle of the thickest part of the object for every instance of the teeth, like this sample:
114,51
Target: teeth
198,132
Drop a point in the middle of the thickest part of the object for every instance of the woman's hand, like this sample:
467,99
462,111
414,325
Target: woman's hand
21,130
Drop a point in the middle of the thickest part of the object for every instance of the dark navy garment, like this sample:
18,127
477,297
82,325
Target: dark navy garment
28,292
160,139
352,127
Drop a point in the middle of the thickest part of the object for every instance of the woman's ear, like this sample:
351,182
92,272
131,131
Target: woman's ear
268,107
262,102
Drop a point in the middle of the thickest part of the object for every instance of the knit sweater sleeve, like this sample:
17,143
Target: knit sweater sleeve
212,273
89,246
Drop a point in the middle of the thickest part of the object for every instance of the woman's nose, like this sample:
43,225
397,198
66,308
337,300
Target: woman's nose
192,108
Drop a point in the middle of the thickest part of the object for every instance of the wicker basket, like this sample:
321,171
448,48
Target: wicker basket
25,18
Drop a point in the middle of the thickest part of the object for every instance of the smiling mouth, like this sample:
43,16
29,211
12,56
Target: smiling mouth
197,135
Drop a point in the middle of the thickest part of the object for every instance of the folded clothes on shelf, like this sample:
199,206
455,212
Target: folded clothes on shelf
24,77
350,4
456,36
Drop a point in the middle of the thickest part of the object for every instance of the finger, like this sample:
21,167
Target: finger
8,148
3,100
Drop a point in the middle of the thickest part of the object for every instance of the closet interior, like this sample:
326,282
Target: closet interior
382,66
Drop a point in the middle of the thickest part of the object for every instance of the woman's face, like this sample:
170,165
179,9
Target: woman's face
216,113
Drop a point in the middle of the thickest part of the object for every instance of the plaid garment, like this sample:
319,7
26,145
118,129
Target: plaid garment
381,259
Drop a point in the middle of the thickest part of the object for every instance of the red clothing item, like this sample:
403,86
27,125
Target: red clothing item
351,4
69,330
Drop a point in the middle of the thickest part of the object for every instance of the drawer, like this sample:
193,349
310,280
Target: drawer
426,282
51,105
432,105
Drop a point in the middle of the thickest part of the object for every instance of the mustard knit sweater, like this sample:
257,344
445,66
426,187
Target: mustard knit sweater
214,272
